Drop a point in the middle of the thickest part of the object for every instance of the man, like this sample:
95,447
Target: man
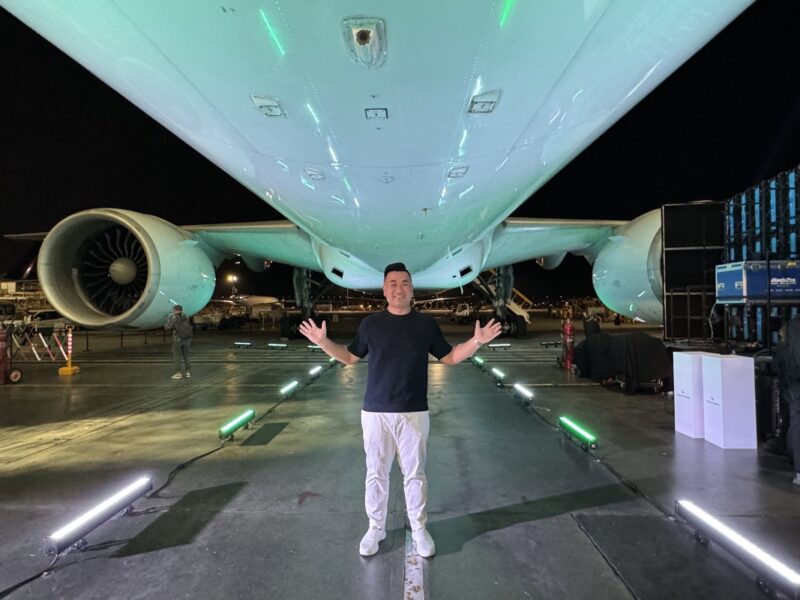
395,418
787,364
182,332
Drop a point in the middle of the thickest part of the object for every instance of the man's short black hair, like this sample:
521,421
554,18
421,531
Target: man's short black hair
398,266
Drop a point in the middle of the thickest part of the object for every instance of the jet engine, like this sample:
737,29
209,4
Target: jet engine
110,268
627,271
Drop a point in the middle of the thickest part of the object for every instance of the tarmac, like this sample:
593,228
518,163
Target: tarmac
516,508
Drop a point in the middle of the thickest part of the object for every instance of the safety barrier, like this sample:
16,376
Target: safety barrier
33,344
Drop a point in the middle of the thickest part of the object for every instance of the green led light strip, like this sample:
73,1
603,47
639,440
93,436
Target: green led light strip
272,32
231,427
506,9
579,431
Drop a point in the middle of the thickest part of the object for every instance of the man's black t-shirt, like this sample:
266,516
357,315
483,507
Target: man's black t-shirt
398,347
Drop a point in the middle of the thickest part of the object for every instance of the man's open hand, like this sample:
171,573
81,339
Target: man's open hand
314,334
488,332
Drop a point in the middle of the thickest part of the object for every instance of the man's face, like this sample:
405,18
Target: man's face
398,291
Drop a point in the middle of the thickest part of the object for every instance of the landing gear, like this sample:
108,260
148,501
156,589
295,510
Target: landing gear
521,327
306,298
301,280
498,288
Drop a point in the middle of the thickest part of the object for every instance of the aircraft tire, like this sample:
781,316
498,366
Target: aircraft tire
520,327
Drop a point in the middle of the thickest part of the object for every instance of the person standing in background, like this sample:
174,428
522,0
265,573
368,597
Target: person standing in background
787,364
182,333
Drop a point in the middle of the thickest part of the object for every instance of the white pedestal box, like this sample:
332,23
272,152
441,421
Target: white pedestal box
729,401
687,371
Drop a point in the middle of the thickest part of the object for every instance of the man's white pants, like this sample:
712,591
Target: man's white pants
404,435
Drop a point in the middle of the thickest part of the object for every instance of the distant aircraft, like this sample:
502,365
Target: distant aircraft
252,301
398,131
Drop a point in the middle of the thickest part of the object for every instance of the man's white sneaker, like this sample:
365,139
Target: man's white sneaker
188,375
177,376
370,541
424,543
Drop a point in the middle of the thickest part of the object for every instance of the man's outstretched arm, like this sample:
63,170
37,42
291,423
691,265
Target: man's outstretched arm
319,336
483,335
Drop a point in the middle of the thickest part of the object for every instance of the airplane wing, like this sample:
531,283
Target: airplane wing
520,239
514,240
625,256
279,241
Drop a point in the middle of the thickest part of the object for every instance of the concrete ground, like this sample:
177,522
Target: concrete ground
516,509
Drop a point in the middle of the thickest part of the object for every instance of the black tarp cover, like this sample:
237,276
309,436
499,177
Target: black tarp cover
634,358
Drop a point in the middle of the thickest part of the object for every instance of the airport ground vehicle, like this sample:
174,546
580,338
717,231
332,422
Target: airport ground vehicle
462,313
47,320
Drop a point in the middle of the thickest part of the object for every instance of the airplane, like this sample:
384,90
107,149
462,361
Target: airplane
382,132
251,301
217,310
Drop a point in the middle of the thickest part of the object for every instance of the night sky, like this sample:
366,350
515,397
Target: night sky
727,119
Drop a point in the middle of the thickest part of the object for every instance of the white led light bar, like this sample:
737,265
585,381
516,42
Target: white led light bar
524,391
243,344
477,360
763,563
287,389
498,373
276,345
313,347
500,345
315,371
74,531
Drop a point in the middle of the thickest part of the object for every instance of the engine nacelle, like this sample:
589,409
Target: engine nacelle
627,271
107,267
